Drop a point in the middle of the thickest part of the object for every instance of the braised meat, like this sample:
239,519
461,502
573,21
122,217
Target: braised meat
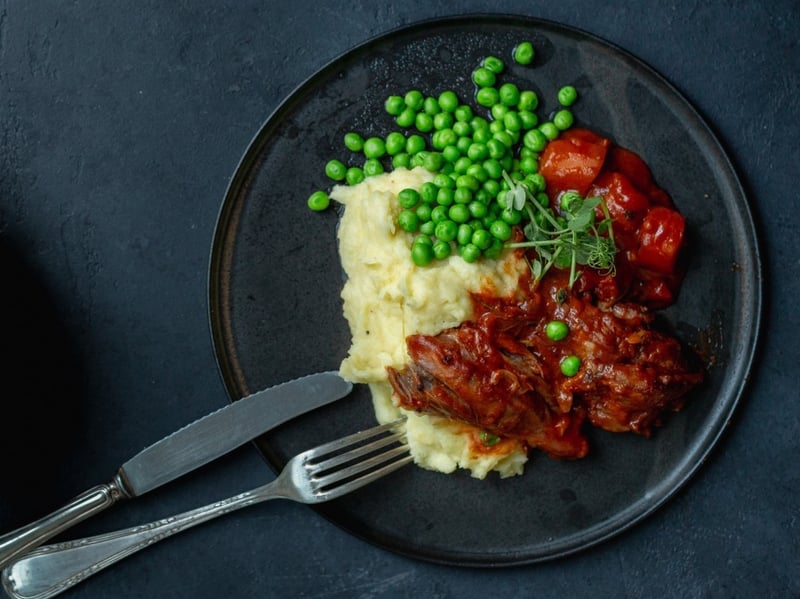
501,373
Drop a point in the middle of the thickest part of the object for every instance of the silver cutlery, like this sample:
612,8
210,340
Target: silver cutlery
184,450
314,476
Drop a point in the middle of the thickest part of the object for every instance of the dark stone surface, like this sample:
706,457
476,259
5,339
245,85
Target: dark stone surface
120,126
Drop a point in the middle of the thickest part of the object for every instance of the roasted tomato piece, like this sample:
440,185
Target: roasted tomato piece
626,204
573,161
632,166
660,236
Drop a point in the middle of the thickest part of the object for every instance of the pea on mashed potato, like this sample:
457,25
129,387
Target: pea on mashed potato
387,297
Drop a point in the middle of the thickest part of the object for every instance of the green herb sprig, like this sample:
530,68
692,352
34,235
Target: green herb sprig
572,238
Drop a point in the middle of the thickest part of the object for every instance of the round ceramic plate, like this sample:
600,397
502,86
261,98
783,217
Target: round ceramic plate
275,280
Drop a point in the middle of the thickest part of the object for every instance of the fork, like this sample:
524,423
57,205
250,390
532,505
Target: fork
317,475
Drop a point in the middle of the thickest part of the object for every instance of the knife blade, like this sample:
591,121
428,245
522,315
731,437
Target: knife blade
183,451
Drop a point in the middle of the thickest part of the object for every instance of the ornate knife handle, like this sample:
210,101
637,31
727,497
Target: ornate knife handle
85,505
52,569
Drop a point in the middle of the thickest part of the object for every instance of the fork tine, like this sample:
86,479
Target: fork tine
326,493
341,466
358,451
349,440
325,477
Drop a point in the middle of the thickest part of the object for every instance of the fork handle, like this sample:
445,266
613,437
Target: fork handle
52,569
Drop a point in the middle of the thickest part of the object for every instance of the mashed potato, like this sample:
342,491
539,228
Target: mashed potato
387,297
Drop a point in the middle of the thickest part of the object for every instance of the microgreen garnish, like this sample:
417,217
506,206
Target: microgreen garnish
566,240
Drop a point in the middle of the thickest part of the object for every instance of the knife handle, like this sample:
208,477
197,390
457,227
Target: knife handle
89,503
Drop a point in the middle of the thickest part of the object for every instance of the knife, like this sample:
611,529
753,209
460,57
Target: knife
184,450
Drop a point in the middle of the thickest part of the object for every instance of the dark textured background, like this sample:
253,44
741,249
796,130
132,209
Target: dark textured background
120,126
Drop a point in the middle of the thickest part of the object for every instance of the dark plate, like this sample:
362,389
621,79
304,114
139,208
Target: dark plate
275,280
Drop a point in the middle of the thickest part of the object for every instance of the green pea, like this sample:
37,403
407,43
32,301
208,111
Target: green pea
462,195
478,151
422,253
451,153
464,235
448,101
482,136
501,230
477,209
505,137
444,197
510,216
468,181
463,113
509,94
459,213
318,201
431,106
439,214
487,97
395,143
497,126
462,164
512,121
570,365
394,105
415,144
478,122
353,142
372,167
498,112
446,230
336,170
567,95
440,180
354,175
494,64
443,120
535,140
477,172
407,118
483,77
536,182
482,239
462,128
374,147
428,191
423,212
524,53
550,130
563,119
414,99
464,143
529,165
427,227
556,330
433,161
469,252
442,250
528,100
528,119
423,122
492,186
408,220
408,197
497,148
401,160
